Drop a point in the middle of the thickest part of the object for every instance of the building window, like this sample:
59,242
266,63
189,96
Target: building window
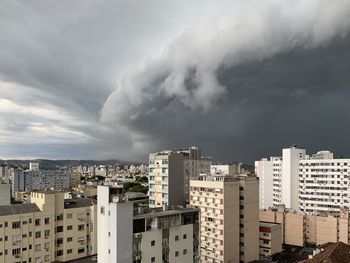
38,234
16,225
37,222
47,233
153,243
69,251
184,251
38,247
81,250
59,217
59,241
176,238
59,229
266,242
6,224
184,236
153,259
69,239
69,227
69,216
80,227
59,253
102,210
176,253
47,220
16,251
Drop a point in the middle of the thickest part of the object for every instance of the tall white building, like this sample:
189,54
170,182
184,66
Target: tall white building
313,184
324,183
170,172
285,174
264,170
131,233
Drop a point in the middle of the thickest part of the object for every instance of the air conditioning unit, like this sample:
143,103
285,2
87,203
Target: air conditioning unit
138,257
138,235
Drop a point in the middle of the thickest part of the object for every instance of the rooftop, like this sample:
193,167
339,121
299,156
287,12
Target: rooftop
78,202
331,253
155,212
15,209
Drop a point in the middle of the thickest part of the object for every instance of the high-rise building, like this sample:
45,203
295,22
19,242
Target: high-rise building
35,179
130,232
313,184
49,229
229,217
285,178
324,183
170,172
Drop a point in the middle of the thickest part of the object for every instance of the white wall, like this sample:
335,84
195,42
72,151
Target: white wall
290,176
263,169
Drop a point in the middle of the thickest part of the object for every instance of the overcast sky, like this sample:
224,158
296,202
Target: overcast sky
100,79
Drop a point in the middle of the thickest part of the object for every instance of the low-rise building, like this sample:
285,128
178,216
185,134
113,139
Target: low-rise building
300,228
270,239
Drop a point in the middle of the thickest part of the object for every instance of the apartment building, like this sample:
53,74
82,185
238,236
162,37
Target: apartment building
129,231
170,172
229,217
270,239
264,169
300,228
5,196
324,183
36,179
49,229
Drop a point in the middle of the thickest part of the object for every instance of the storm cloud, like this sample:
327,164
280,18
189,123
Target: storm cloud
102,80
245,84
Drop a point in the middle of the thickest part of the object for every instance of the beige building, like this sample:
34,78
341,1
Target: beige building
299,228
229,217
270,239
49,229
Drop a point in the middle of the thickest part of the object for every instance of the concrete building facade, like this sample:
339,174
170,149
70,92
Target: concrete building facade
50,229
324,184
270,239
300,228
229,217
130,232
28,180
170,172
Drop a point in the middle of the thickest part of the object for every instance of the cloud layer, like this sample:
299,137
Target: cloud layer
239,79
244,83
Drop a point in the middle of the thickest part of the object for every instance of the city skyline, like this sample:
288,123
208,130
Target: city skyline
103,80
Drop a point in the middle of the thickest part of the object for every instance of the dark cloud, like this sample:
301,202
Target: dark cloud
247,89
86,79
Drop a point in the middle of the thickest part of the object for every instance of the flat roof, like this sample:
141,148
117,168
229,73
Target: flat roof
15,209
78,202
157,212
267,224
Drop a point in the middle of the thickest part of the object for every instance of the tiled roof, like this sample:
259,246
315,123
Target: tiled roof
332,253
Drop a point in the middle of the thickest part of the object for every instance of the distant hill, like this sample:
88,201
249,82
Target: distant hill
51,164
